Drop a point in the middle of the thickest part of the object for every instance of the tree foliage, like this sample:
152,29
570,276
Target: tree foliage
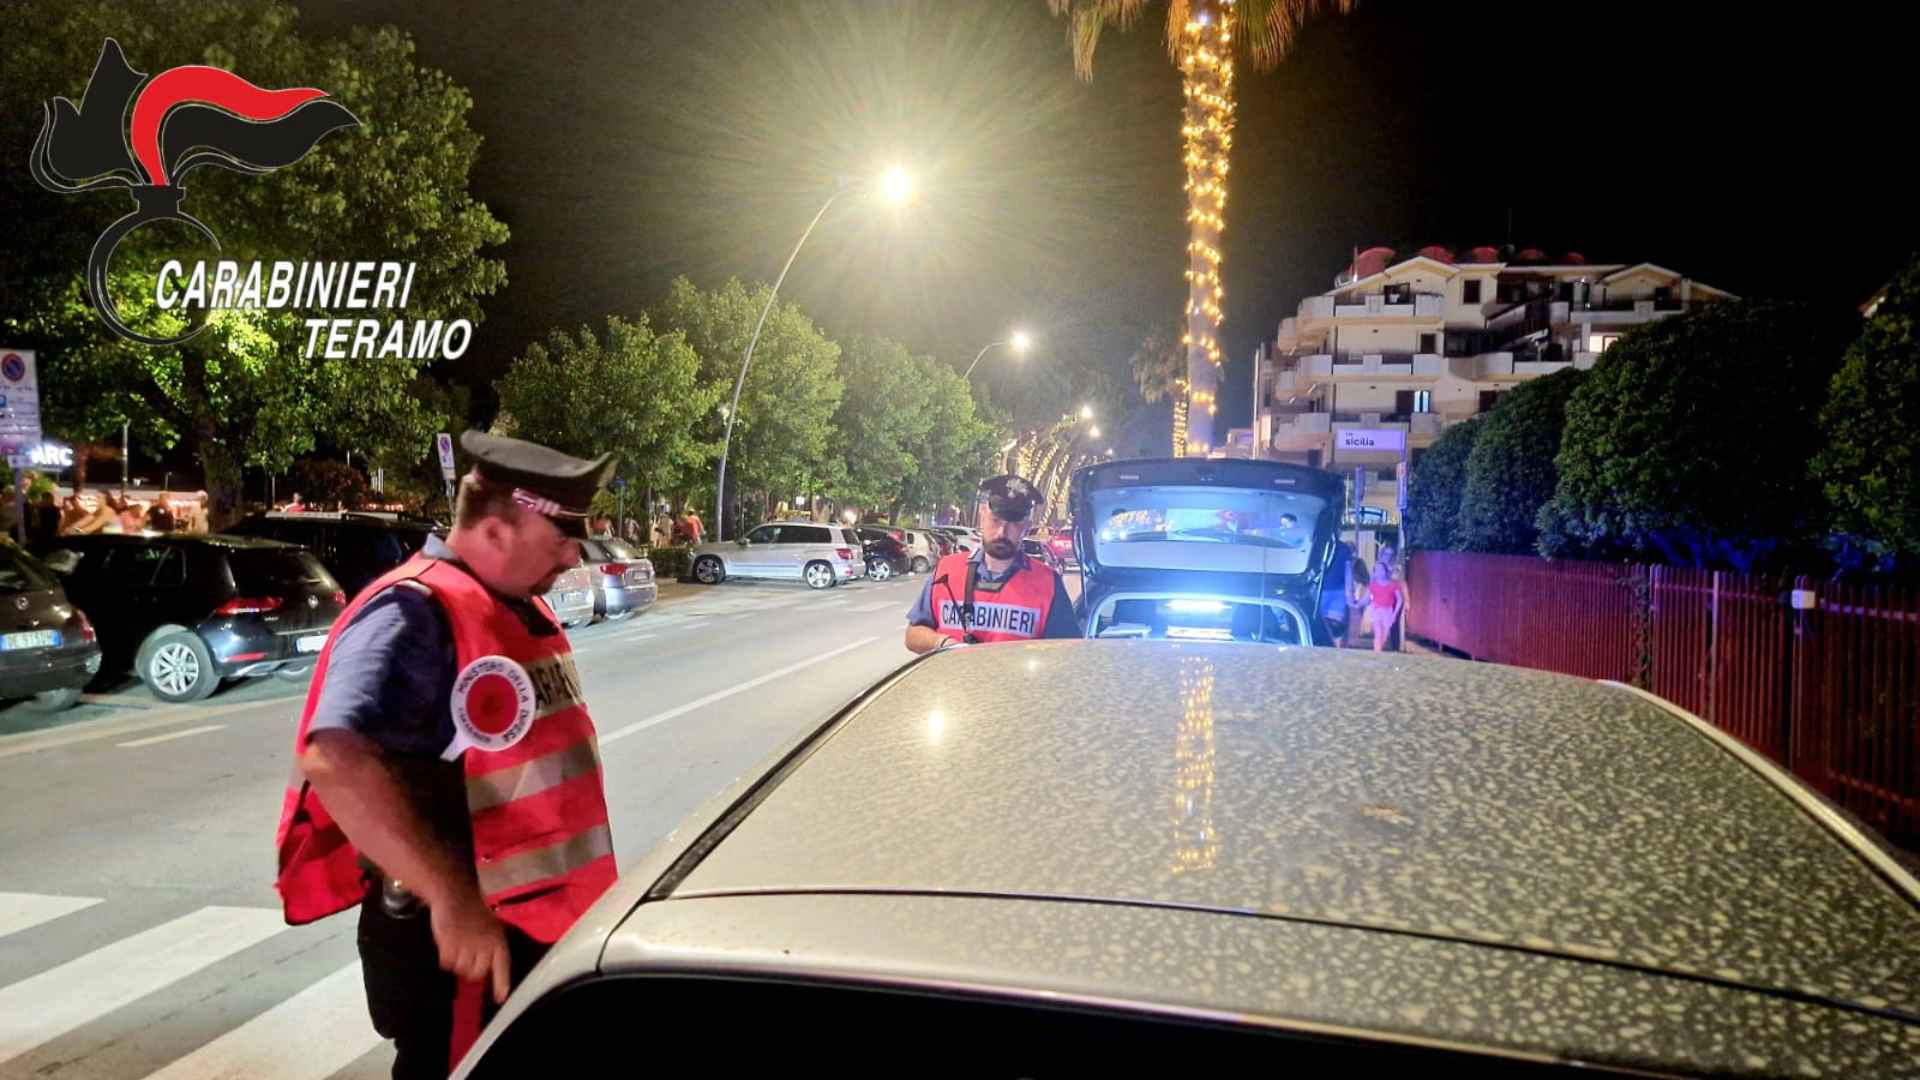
1510,467
1159,365
783,434
243,392
884,415
1435,488
629,389
958,447
1870,464
1691,437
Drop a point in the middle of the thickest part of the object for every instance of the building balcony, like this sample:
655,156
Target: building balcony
1358,365
1529,369
1316,307
1584,360
1301,431
1378,306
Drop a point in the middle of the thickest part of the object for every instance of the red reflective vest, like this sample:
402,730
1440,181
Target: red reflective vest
542,850
1011,610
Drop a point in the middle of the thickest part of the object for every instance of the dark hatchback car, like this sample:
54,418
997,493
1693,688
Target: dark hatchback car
1204,549
48,650
355,548
886,556
186,612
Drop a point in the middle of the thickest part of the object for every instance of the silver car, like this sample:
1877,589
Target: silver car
571,597
623,584
1089,857
821,555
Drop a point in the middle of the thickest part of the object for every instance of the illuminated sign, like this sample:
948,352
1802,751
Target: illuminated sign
51,455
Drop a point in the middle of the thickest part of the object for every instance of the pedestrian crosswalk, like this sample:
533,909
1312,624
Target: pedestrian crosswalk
161,973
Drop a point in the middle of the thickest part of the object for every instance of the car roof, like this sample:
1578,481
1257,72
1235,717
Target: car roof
349,519
224,541
1424,797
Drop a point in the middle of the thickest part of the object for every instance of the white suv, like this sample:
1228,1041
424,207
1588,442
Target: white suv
820,554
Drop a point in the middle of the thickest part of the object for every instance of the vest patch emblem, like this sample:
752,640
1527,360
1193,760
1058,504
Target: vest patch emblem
493,703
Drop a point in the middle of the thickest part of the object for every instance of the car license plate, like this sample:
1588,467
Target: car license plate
310,643
31,639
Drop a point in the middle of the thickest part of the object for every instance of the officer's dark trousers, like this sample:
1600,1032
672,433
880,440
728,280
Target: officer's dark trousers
409,997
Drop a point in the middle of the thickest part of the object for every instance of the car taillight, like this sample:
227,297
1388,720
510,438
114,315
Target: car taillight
613,569
87,632
340,597
845,553
250,605
897,535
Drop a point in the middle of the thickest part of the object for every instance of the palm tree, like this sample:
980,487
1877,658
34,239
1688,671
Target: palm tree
1200,37
1160,366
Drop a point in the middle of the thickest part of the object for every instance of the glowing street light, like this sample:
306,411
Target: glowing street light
895,187
1019,341
1086,412
1094,431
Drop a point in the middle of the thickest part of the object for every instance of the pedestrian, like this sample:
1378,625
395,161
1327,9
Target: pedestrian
133,516
442,688
160,518
695,528
996,593
1336,593
296,506
1386,600
197,522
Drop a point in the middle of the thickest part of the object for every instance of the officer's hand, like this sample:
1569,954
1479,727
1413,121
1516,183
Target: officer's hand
473,943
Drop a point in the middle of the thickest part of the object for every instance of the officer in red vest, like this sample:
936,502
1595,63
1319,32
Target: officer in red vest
448,778
997,593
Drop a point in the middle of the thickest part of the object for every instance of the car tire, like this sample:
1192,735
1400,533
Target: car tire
709,570
59,700
921,565
178,668
879,570
818,575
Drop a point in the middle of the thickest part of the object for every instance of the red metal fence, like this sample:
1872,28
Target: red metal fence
1830,687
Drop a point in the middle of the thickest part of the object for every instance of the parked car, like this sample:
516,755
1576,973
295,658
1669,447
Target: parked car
1356,865
48,649
187,612
965,541
943,544
573,596
886,555
1060,543
354,547
1039,552
921,549
1201,548
623,584
819,554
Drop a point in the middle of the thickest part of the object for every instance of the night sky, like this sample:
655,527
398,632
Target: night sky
630,142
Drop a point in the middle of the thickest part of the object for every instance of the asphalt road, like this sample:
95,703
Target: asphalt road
139,931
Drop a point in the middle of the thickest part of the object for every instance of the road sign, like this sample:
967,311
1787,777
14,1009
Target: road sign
19,405
1400,481
1359,484
444,443
1391,439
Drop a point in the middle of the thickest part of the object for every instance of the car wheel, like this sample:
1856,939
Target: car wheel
57,700
708,570
879,569
178,668
818,575
920,564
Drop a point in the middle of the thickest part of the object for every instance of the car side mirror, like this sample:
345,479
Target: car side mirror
742,541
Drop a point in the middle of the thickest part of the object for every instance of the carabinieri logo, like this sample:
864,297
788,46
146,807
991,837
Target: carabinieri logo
183,118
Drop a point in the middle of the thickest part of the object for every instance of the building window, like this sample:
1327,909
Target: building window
1601,342
1470,291
1399,294
1423,401
1429,343
1488,399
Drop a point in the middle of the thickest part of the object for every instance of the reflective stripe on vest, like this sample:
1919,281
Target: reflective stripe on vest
1013,610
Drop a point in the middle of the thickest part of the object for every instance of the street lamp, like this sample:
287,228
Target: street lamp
1086,412
896,188
1019,342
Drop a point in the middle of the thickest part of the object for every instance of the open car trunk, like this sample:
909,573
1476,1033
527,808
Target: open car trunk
1204,549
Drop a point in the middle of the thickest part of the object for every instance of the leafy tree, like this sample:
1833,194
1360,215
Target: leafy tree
321,484
784,433
957,448
1691,437
1434,489
1869,467
243,392
1510,470
877,424
630,390
1159,366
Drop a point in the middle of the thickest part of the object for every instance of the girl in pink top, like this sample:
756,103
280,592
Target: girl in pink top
1386,600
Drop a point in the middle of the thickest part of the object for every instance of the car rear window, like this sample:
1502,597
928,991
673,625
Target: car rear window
618,550
806,534
20,572
1205,528
271,570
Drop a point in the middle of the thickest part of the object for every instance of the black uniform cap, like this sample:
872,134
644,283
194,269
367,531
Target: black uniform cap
1010,497
543,479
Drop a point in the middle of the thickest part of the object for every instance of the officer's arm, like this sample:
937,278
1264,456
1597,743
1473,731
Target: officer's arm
1062,620
921,636
352,778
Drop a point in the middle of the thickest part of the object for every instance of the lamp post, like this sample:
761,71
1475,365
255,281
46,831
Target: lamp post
1019,342
895,187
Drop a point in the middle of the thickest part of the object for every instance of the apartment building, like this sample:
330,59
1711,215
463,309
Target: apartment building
1408,343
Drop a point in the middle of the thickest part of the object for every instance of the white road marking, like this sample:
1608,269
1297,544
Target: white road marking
90,730
310,1036
720,695
55,1002
21,910
172,735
